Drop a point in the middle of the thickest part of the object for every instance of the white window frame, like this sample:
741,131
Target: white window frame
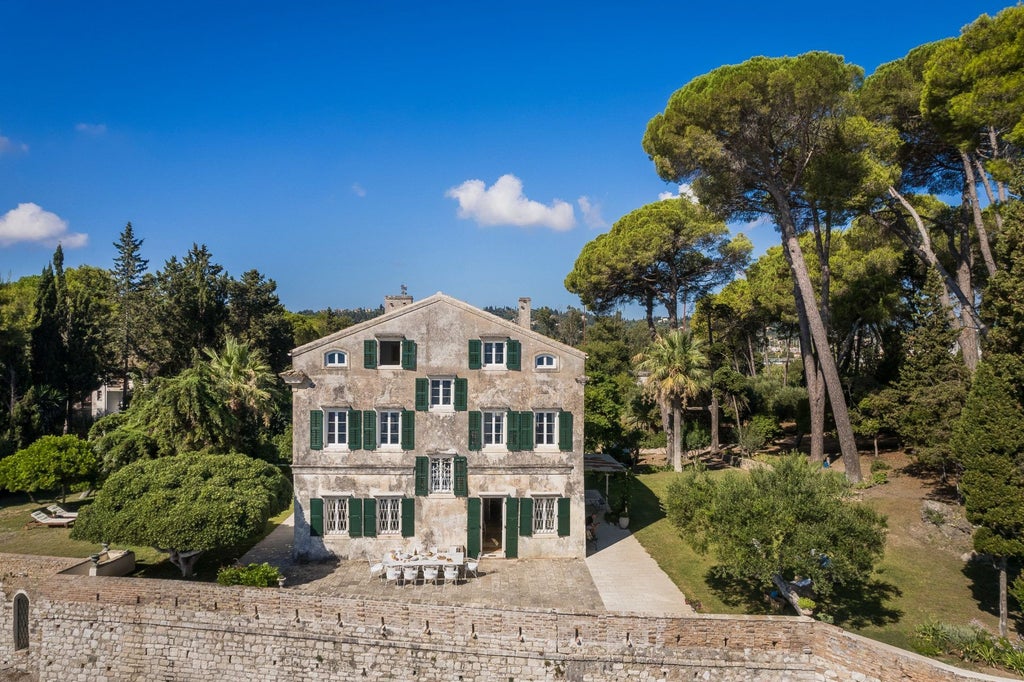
545,515
545,429
394,433
335,516
550,362
389,516
331,439
443,388
497,436
442,475
490,351
331,358
380,352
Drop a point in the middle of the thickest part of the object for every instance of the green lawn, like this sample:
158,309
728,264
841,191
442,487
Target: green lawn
16,538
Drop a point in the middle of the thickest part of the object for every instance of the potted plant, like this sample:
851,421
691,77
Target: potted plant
624,517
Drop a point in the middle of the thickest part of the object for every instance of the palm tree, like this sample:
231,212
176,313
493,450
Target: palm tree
244,380
676,370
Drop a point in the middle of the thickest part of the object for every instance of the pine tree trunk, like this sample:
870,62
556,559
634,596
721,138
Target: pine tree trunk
715,445
1002,596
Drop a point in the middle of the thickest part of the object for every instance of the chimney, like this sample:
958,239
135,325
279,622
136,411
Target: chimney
524,312
396,302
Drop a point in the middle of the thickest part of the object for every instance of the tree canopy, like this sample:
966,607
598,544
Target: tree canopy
185,505
50,463
778,523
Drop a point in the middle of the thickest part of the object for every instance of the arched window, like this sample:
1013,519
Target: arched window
20,622
546,361
335,358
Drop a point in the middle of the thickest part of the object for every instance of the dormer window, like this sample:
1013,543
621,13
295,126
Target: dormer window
389,353
494,353
545,361
335,358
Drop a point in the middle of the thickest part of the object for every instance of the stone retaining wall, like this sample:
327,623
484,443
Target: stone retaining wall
99,628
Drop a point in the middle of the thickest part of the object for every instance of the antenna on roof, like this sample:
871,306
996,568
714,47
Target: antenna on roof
405,290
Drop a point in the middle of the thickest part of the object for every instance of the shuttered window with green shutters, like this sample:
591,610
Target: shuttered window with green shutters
408,354
563,516
512,436
408,517
370,354
511,528
370,518
355,518
565,431
526,431
473,536
475,430
461,483
355,430
461,394
513,354
316,430
422,475
408,438
422,394
316,517
475,353
369,430
526,516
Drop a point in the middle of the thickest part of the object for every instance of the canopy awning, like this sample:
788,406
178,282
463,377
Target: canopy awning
600,462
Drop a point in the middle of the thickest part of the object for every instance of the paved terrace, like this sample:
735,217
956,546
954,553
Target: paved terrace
618,575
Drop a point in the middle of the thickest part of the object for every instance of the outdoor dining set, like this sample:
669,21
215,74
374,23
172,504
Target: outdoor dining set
426,565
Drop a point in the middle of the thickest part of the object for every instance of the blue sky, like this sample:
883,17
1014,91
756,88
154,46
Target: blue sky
344,149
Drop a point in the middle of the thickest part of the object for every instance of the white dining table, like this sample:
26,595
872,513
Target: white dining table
439,559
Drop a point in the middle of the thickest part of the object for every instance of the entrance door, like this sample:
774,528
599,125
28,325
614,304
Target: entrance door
492,525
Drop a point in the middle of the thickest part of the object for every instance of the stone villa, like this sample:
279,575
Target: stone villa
438,424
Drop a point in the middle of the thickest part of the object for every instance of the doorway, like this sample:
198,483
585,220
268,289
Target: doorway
493,524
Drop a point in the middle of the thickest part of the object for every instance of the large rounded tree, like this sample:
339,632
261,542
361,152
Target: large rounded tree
185,505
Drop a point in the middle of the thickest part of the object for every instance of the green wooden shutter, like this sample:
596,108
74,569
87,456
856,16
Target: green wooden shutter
565,431
370,518
408,517
526,516
369,430
511,528
461,393
316,430
370,354
355,430
563,516
512,432
408,354
316,517
526,437
473,527
422,475
460,485
476,430
355,518
422,394
513,351
475,348
408,436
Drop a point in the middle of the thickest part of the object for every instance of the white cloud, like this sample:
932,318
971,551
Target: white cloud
683,191
9,146
30,223
504,204
95,129
591,213
358,190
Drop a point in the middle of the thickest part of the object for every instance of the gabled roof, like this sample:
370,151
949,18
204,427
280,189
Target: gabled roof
513,329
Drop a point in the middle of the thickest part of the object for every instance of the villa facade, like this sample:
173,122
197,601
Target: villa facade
438,424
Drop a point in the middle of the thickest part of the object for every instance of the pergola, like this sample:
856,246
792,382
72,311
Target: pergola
601,463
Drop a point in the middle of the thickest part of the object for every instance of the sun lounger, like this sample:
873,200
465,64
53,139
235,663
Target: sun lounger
59,512
43,519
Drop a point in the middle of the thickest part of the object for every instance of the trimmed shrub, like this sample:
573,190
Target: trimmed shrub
253,575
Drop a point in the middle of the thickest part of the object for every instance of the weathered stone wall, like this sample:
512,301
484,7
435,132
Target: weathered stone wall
97,628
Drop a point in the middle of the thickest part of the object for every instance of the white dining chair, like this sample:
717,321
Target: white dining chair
393,574
376,569
472,566
451,573
410,574
430,574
